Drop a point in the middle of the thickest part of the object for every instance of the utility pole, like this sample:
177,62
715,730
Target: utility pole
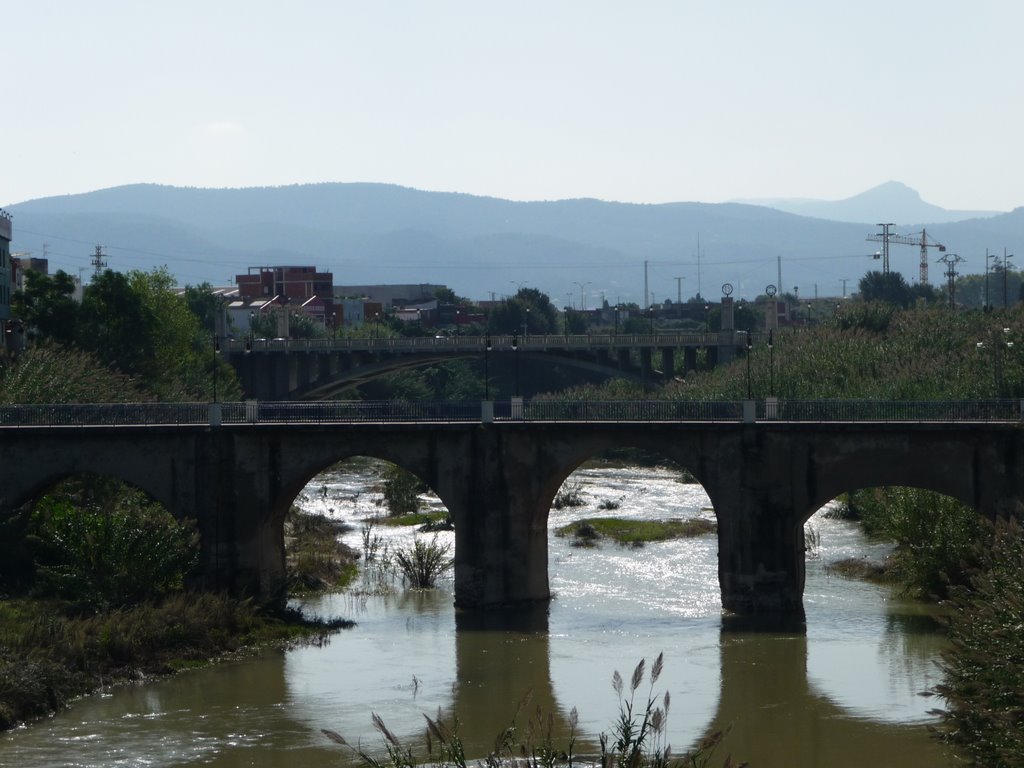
950,260
98,262
698,268
1005,269
647,300
884,235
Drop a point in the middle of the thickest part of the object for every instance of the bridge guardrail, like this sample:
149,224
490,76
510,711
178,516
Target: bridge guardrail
893,410
499,343
333,412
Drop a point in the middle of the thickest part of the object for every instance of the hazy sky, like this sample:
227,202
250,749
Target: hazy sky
639,101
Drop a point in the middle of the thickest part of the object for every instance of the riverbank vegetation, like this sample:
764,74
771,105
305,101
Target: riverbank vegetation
316,558
52,650
983,680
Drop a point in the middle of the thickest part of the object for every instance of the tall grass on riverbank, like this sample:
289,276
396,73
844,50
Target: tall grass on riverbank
636,739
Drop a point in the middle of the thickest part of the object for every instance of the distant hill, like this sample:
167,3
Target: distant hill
479,246
889,202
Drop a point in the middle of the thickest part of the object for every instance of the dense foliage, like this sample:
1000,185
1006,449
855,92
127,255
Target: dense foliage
935,535
983,684
865,351
134,323
104,544
401,490
50,373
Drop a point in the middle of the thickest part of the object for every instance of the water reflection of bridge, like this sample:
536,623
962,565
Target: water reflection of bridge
770,711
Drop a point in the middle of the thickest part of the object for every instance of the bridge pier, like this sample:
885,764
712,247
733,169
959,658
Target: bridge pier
761,563
496,493
240,511
668,362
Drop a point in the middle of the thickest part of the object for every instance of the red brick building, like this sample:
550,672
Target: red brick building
300,288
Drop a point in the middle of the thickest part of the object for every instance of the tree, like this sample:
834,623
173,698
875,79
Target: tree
448,296
889,287
47,306
204,304
117,326
529,308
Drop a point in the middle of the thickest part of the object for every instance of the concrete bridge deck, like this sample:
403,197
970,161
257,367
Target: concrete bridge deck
238,476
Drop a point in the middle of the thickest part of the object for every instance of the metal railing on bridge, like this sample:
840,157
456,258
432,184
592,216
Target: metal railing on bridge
541,410
468,344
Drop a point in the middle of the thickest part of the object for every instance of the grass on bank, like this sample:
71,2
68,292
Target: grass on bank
635,533
52,652
317,560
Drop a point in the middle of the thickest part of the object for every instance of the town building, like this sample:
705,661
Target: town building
409,294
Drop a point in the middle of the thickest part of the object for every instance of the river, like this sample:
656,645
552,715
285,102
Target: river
847,693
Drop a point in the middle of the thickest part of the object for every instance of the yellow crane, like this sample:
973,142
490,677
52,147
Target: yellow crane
923,241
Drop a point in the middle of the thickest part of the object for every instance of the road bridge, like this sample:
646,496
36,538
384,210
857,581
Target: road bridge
236,468
278,369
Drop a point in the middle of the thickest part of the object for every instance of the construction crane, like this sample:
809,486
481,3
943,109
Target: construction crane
922,241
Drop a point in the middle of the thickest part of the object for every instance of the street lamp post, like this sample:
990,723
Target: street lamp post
216,351
988,269
248,351
999,342
771,362
750,346
515,354
487,371
583,299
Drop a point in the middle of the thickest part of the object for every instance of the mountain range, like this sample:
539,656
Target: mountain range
578,251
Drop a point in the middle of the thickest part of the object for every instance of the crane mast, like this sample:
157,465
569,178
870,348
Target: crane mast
923,241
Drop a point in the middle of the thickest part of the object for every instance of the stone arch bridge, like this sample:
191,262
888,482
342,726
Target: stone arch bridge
238,472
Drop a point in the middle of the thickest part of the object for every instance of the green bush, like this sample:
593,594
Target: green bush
104,544
423,562
934,534
401,490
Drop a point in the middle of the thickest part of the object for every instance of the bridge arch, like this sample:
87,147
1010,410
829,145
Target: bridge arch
972,468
